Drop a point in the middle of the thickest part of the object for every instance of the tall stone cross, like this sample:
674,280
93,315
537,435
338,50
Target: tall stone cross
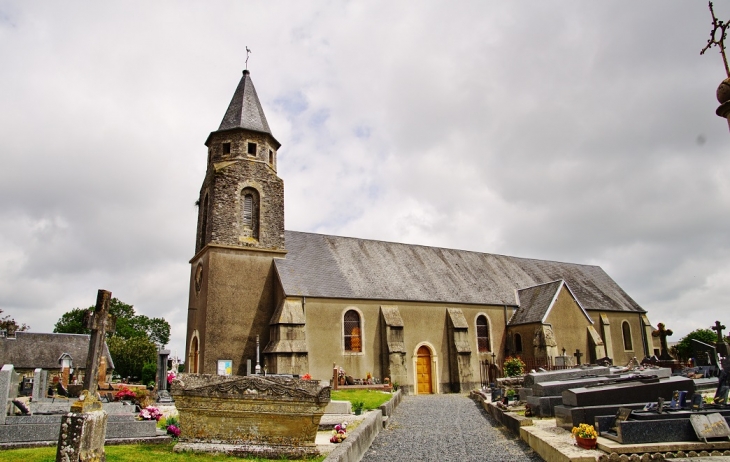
100,321
577,355
718,328
663,333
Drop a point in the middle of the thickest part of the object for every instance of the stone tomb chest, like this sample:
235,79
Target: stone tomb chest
268,410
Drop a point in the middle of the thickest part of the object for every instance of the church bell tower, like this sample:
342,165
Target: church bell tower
240,231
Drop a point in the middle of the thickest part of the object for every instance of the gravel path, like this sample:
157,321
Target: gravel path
448,427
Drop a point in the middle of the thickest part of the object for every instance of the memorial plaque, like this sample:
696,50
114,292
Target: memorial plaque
710,426
696,402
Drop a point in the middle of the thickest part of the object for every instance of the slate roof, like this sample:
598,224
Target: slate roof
535,302
318,265
245,109
29,350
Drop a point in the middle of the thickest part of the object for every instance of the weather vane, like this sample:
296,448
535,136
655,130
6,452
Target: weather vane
248,52
718,25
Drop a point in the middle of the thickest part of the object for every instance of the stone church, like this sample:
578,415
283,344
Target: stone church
422,316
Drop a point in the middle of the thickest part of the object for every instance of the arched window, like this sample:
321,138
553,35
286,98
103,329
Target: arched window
518,343
204,222
626,329
250,212
483,334
353,332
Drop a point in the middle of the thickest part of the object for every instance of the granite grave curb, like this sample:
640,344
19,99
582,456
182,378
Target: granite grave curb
359,441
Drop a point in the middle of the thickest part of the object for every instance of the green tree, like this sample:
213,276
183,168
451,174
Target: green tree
684,347
129,324
8,324
130,355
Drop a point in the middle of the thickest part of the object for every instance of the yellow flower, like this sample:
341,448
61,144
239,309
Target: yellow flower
584,431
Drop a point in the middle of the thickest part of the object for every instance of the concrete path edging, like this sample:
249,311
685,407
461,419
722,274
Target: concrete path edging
354,447
359,441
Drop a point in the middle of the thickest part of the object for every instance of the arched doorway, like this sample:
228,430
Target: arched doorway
423,370
193,357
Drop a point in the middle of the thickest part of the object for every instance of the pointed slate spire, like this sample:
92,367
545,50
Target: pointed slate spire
245,110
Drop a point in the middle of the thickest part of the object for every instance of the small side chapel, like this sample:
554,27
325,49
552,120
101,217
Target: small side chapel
424,317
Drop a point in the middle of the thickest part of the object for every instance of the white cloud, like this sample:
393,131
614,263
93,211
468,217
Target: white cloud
579,132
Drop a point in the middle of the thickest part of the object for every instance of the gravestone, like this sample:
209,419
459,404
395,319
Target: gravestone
40,384
704,354
8,389
710,426
663,333
83,430
721,344
577,355
163,396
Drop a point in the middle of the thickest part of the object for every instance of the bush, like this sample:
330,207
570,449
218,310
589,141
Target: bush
513,366
149,370
684,347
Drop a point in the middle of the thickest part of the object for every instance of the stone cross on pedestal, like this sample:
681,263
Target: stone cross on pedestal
718,328
663,333
721,345
83,430
100,321
577,355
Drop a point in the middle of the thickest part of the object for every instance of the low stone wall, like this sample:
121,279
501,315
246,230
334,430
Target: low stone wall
388,407
22,429
353,448
511,420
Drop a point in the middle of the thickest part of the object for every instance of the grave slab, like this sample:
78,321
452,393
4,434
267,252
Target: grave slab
630,392
557,387
571,416
543,406
649,431
565,374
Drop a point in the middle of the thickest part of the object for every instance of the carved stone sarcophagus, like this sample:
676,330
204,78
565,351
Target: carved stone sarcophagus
269,410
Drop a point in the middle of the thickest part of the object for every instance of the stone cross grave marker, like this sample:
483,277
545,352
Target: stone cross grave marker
662,332
83,430
718,328
100,321
577,355
721,345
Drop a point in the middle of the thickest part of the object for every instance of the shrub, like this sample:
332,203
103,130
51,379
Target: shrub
513,366
149,370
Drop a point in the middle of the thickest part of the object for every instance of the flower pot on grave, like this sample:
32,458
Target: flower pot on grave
586,443
358,411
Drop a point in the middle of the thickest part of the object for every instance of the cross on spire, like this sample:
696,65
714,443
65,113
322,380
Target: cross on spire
577,355
718,328
248,52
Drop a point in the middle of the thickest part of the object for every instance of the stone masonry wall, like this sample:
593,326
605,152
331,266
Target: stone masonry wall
227,175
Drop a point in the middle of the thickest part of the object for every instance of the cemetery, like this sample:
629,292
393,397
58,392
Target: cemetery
648,410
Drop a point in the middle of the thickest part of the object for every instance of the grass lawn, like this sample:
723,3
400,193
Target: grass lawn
372,398
125,453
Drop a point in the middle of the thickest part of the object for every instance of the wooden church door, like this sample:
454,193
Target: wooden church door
423,370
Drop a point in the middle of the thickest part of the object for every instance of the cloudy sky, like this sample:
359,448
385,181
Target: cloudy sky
571,131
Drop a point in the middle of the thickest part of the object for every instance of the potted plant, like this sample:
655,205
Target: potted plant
357,407
511,395
585,436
